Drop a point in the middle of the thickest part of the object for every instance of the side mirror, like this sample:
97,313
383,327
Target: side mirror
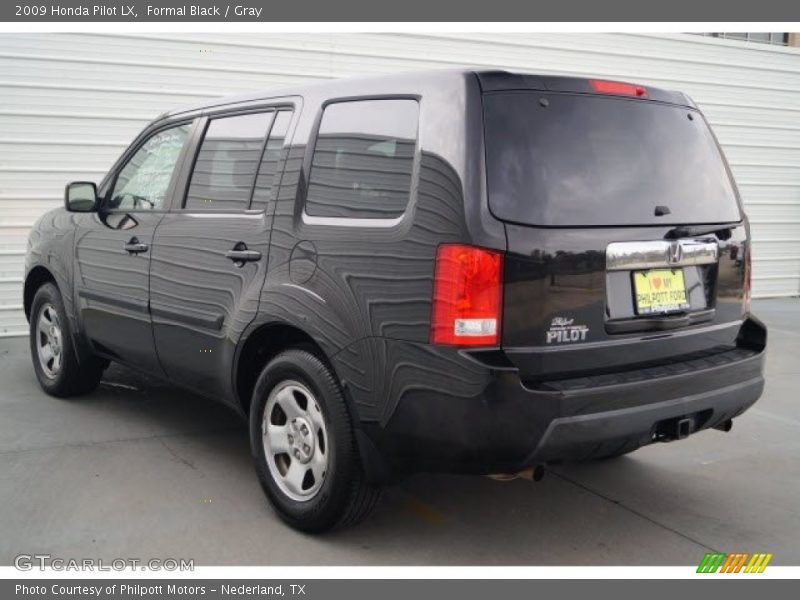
80,196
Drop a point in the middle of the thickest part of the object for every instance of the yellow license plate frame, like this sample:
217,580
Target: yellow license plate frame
658,291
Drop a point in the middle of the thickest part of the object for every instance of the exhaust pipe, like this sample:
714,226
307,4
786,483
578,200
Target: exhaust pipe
532,474
725,426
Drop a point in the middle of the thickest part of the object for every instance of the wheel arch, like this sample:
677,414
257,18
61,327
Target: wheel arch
267,340
35,279
259,346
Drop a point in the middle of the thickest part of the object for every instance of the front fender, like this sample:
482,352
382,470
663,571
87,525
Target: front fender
50,247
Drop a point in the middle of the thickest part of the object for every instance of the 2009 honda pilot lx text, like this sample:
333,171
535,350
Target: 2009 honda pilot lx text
454,271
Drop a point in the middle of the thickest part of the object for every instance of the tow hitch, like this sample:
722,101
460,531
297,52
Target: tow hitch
673,429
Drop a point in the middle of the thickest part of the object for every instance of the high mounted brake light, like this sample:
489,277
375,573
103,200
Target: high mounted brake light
467,296
618,88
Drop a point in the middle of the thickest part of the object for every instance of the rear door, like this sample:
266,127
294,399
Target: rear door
210,252
625,235
113,249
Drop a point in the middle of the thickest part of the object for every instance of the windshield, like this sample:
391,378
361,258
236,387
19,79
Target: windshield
574,160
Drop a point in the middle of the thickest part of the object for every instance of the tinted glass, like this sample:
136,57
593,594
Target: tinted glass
269,171
226,164
363,159
143,182
593,160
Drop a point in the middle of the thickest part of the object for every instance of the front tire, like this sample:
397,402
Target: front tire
303,444
54,358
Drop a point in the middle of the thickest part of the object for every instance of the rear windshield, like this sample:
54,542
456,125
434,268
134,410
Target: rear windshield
571,160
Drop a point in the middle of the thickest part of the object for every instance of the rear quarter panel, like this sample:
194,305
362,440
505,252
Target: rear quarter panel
352,288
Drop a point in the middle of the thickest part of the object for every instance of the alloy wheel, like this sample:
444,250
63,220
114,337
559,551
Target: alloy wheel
295,440
49,341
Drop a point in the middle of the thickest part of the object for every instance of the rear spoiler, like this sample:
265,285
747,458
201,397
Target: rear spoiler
496,81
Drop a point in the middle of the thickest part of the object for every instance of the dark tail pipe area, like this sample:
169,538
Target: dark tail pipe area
725,426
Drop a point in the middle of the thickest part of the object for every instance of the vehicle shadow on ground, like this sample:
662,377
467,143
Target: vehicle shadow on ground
428,518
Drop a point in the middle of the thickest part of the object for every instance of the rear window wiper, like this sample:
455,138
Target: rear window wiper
723,230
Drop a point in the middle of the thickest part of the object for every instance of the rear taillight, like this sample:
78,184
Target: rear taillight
748,276
618,88
467,296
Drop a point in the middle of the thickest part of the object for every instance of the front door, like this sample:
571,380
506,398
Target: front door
113,250
210,252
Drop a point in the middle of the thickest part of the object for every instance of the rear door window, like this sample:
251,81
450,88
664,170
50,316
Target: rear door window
363,160
227,162
580,160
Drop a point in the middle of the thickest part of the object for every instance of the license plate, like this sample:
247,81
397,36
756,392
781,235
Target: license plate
659,291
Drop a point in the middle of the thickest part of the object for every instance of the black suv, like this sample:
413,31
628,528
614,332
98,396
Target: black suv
464,271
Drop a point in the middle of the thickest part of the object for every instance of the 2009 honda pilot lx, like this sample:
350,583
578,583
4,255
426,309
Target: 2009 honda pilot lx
462,271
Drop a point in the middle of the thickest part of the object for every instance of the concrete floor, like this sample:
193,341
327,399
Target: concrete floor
142,470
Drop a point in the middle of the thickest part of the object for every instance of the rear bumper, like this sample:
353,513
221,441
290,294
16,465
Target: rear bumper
603,433
461,416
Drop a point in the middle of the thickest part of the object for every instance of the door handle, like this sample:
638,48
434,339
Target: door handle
134,246
241,256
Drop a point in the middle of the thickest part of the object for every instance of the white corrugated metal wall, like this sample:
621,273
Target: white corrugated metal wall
70,103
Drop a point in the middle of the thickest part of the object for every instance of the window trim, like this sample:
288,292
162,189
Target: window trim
179,206
131,152
359,222
279,168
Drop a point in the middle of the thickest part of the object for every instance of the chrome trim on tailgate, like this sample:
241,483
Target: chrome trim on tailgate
628,256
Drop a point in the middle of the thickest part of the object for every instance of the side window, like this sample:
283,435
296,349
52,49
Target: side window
269,171
143,182
227,162
363,160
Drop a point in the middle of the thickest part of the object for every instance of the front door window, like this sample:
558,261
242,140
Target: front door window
143,182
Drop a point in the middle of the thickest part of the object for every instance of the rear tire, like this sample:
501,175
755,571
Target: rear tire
303,444
53,354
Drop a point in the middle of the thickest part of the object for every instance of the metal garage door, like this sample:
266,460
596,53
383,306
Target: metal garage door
69,103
